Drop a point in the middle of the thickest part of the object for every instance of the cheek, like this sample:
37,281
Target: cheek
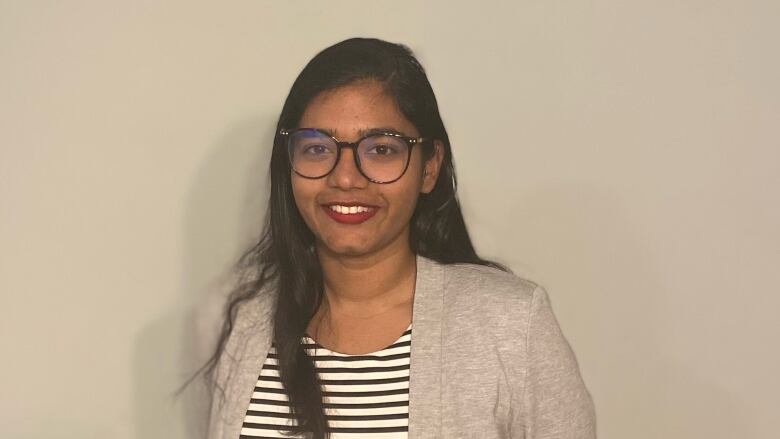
412,179
302,196
405,199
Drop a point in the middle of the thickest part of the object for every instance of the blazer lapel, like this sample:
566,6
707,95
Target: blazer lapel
252,341
249,348
425,386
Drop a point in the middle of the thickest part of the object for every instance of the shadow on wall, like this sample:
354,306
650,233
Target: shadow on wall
613,299
613,291
222,218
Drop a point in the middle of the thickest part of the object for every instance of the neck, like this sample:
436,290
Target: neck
361,287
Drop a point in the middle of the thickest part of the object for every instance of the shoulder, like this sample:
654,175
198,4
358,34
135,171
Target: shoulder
487,300
481,284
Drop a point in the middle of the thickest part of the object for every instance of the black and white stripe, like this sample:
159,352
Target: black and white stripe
363,395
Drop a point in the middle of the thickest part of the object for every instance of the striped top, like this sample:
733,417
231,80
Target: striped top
364,395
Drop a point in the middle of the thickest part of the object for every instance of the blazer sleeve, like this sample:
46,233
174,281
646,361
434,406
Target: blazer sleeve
555,401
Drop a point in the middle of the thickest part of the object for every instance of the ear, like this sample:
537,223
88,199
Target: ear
432,167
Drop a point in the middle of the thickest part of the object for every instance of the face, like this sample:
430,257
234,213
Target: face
348,113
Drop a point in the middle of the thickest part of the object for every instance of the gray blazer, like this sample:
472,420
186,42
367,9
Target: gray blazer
488,360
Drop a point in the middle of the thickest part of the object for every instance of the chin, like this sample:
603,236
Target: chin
347,248
354,250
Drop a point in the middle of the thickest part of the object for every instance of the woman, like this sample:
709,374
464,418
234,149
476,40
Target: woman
366,311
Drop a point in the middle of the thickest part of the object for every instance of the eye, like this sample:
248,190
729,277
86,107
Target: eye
316,149
382,149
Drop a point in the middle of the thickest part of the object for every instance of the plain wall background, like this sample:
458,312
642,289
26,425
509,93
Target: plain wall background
624,154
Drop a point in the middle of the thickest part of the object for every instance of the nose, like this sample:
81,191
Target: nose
346,174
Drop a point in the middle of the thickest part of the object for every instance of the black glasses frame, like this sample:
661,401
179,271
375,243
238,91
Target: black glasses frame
410,142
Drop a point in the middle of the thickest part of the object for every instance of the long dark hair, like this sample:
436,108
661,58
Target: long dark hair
284,261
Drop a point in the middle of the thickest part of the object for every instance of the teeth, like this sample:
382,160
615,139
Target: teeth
350,209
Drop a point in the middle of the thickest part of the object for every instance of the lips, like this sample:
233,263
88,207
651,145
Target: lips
350,212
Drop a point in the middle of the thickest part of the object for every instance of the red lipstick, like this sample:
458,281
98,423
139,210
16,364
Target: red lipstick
350,218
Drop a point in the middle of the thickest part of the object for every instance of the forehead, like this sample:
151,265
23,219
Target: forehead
349,111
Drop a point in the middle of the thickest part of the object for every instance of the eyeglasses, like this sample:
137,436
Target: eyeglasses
381,157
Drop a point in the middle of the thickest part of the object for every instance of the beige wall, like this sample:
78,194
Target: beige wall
624,154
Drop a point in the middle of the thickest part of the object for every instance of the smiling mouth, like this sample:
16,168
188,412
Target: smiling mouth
350,214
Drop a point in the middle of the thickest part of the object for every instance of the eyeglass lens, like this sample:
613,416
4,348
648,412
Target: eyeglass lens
381,157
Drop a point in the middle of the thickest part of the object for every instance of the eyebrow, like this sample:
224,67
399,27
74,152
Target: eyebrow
369,131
